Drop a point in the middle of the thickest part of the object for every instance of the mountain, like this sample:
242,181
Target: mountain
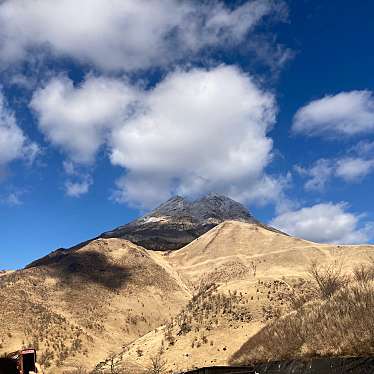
179,221
198,304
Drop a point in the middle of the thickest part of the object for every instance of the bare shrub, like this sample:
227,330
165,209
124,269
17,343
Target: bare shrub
363,273
295,300
158,364
329,278
112,365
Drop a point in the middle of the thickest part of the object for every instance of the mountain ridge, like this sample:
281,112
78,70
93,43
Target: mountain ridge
172,225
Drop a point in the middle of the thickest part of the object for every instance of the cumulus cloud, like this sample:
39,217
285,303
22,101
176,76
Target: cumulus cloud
325,223
347,113
196,131
125,34
200,130
354,169
13,142
76,119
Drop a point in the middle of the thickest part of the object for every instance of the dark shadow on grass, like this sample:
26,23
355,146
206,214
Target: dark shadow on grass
84,266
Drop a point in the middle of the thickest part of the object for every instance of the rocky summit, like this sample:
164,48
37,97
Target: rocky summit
179,221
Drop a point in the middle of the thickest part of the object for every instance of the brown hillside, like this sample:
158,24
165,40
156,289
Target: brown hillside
243,276
198,305
81,305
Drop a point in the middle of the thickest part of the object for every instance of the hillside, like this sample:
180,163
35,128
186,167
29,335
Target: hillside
340,325
81,304
243,276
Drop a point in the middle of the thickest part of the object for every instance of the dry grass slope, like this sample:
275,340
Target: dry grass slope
78,307
336,323
188,308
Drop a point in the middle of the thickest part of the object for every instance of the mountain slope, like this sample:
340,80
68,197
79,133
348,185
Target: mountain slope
272,254
243,276
81,304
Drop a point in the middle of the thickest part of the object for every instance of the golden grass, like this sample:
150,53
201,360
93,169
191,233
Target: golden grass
339,325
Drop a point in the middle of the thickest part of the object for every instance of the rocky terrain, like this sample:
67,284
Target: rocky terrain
112,304
179,221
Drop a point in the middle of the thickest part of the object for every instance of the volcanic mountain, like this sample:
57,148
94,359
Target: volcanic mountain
179,221
197,305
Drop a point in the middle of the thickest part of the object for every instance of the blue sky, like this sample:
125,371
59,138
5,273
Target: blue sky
270,102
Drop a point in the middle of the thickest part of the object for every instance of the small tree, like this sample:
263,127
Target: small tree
329,278
114,364
253,267
158,364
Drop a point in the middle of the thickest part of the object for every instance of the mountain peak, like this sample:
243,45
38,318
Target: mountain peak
178,221
211,206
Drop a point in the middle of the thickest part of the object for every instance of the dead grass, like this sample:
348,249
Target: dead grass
340,323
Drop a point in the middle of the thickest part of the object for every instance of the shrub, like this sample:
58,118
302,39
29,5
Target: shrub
329,278
342,325
158,365
363,273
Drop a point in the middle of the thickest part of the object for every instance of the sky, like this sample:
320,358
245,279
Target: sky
110,107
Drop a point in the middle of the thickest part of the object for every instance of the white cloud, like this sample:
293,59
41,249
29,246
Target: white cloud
364,148
350,169
125,34
198,131
78,188
347,113
13,142
76,119
325,223
354,169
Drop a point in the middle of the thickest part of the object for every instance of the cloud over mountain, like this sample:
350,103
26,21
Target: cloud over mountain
196,131
200,130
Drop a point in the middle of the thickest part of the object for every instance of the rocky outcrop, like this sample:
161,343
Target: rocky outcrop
179,221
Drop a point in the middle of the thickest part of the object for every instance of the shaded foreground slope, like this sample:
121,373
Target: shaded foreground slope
81,304
325,365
